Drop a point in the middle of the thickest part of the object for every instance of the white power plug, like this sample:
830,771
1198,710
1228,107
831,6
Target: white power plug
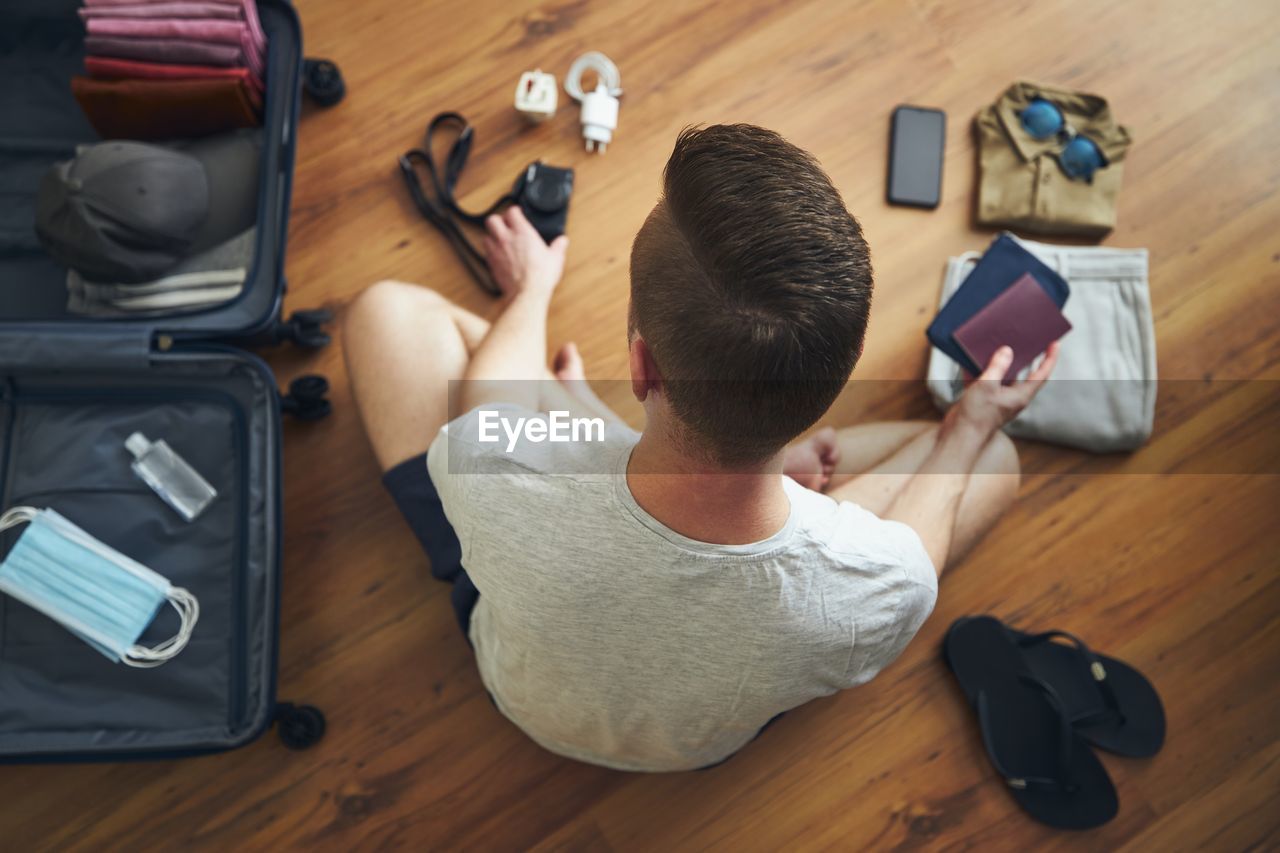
599,114
536,96
599,118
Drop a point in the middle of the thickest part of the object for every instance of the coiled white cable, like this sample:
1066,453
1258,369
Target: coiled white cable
599,113
604,68
189,611
18,515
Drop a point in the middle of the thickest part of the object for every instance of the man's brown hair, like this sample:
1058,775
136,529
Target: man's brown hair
751,285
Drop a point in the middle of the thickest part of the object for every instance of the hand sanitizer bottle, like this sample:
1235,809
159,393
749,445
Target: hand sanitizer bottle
170,476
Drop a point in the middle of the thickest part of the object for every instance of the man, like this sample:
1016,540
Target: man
651,601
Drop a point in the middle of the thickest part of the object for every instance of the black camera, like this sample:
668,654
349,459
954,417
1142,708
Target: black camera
543,194
541,191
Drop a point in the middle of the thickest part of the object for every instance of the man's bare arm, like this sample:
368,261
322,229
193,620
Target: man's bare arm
508,364
511,359
930,501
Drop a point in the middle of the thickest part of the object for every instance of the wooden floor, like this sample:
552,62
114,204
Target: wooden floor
1167,558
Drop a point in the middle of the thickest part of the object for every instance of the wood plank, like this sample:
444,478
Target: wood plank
1166,557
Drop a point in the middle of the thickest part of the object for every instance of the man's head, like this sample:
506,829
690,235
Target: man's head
750,292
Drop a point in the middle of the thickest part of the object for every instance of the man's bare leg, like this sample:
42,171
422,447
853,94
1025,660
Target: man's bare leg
863,448
403,344
877,460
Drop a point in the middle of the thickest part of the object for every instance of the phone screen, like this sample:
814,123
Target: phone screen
915,161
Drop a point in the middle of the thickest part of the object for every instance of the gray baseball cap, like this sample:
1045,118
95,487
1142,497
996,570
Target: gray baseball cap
128,211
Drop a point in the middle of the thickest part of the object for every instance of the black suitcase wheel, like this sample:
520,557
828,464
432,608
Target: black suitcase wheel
306,398
299,726
322,80
305,328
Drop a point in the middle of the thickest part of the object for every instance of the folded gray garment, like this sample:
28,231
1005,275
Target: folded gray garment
202,280
1102,394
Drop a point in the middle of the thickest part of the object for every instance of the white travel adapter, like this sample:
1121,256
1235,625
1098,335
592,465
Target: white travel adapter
599,115
536,95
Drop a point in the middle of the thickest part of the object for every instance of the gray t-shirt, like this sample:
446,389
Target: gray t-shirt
610,638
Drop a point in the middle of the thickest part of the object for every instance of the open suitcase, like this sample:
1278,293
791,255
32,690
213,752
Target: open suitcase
73,389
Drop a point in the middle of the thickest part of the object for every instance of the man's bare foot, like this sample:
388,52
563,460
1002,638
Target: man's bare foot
567,365
568,368
812,461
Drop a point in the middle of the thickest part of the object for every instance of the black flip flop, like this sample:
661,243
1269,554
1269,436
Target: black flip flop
1050,770
1111,704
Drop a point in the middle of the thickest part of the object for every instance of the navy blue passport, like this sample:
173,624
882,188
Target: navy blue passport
995,272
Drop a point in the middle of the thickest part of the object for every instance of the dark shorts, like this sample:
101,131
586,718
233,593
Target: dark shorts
411,487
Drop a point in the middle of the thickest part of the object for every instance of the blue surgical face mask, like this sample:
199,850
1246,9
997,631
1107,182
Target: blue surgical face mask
94,591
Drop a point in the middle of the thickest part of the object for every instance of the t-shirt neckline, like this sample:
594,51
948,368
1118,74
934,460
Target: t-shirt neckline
623,491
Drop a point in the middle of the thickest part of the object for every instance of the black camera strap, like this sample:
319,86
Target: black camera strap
443,211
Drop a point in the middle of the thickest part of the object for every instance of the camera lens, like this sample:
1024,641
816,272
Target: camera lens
547,194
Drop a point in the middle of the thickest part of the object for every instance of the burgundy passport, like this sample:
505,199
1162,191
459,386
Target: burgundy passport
1023,317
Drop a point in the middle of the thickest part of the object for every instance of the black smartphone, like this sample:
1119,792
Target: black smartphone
916,142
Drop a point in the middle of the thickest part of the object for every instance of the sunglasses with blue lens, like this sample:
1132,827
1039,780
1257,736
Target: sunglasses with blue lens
1079,156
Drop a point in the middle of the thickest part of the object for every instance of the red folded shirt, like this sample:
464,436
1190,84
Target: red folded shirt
172,51
165,109
110,68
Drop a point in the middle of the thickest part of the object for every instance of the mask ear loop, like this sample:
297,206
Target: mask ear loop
18,515
189,611
182,601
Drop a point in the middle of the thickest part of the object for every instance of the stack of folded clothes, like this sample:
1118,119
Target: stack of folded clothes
150,228
159,69
203,279
1102,394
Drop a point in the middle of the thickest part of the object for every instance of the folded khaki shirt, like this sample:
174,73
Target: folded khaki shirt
1021,185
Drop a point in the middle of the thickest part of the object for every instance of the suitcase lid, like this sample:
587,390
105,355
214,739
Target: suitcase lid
89,340
63,438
